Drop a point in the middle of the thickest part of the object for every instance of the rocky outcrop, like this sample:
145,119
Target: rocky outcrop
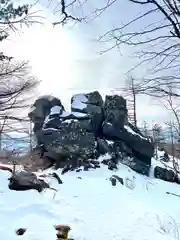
91,129
127,139
42,106
69,141
141,147
67,137
115,111
41,109
91,104
116,127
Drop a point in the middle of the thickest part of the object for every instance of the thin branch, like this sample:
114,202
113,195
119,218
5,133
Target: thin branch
65,15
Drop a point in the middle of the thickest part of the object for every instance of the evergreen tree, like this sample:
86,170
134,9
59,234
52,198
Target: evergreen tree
9,17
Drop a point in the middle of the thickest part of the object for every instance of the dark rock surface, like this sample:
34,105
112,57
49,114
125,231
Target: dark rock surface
115,111
69,141
165,174
24,180
119,179
41,109
91,104
141,147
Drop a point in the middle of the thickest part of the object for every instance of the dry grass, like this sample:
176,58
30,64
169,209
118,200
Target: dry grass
32,162
169,226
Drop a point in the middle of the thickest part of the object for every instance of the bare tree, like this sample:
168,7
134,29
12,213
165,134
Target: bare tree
131,94
17,84
173,149
66,10
154,33
171,104
18,137
145,129
171,126
17,93
157,137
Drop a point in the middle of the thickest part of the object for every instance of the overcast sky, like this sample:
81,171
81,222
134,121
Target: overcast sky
67,59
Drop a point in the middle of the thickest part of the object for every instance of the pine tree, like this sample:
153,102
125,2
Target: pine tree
9,16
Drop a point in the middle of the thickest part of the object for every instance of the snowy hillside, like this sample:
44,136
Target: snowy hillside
93,208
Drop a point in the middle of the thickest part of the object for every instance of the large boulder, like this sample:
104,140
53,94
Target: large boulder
115,110
135,129
66,137
138,166
141,147
116,127
91,104
165,174
121,149
91,129
25,180
41,109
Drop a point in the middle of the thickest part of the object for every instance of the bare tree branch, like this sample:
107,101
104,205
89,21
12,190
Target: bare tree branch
154,34
65,15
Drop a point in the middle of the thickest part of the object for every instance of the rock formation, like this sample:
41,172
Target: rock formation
91,129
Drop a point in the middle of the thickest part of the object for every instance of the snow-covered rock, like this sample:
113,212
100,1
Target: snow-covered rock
91,104
42,108
79,101
117,128
85,131
68,140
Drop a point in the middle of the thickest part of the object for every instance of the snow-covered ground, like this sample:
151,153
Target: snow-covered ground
94,209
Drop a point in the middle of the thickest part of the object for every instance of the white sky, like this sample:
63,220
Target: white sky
67,61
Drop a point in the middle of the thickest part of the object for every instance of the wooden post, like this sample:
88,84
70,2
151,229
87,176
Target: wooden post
62,232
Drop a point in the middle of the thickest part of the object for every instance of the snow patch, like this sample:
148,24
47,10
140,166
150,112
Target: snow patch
78,101
160,153
105,157
132,132
77,114
46,120
55,110
52,129
70,120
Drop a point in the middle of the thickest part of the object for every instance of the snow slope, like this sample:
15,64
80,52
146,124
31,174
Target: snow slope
94,209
